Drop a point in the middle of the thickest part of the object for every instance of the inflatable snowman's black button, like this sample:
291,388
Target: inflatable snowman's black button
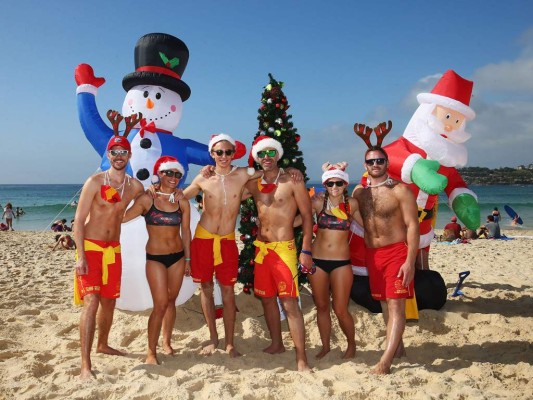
142,174
146,143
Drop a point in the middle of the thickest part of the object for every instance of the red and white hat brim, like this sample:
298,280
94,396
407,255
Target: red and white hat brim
266,144
448,102
165,166
335,173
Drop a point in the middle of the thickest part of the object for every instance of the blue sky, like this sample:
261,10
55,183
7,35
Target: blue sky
342,62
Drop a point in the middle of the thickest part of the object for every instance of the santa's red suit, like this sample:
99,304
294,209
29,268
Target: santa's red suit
402,156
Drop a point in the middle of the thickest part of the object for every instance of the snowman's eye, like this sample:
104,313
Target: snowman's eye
158,96
448,116
145,94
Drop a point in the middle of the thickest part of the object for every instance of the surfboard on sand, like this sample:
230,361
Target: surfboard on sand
512,213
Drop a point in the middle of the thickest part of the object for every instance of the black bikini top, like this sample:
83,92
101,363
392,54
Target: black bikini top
162,218
328,221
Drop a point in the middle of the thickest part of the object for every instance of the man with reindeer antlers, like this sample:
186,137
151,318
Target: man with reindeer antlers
390,220
102,204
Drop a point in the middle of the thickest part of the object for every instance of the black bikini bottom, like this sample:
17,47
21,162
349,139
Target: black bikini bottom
329,265
166,259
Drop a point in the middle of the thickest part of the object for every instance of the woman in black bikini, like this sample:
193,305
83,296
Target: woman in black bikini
331,255
167,252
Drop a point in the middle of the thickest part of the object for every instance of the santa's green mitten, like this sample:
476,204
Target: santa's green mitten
425,176
466,207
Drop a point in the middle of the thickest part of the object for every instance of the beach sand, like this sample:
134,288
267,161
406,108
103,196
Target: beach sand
477,347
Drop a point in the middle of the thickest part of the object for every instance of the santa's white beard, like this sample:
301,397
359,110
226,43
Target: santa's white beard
424,131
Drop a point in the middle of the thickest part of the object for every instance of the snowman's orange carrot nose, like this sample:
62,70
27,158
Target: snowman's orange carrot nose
149,103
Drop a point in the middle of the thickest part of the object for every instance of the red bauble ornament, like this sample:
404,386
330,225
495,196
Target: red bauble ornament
297,137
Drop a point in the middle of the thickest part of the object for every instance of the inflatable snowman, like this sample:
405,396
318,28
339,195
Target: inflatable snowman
156,91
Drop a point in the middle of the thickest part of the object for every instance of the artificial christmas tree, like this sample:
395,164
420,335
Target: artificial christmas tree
276,123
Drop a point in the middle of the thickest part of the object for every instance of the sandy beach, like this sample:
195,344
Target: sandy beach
477,347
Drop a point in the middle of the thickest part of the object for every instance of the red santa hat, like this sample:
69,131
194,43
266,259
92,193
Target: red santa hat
118,141
261,143
165,163
240,148
335,171
451,91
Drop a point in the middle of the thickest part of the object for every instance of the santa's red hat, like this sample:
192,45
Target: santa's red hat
334,171
118,141
165,163
240,148
261,143
451,91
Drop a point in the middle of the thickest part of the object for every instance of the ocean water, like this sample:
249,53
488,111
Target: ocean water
46,203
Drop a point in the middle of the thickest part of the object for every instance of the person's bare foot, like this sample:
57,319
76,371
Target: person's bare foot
350,352
167,349
274,349
105,349
232,351
325,350
151,359
380,369
209,348
87,375
303,366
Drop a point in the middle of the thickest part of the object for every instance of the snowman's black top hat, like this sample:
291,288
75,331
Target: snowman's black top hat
160,60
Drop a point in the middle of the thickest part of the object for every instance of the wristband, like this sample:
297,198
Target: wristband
306,252
187,259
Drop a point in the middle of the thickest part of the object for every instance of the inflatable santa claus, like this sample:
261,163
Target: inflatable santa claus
430,150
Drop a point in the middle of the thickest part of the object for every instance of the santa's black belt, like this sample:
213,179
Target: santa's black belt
424,214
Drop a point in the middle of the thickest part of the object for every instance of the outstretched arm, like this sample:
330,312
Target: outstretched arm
304,205
140,206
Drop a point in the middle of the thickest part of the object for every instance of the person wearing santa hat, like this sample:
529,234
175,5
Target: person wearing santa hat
102,204
278,199
213,249
331,255
167,250
222,187
430,150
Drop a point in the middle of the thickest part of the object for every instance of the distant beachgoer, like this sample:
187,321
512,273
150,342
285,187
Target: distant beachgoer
200,203
496,214
168,250
515,220
19,212
102,204
491,230
59,225
9,214
64,242
452,230
3,227
333,276
468,233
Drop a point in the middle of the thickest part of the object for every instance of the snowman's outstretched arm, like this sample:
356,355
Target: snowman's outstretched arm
94,127
198,153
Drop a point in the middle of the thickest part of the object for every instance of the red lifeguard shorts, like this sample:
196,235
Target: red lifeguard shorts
203,262
277,274
92,281
383,265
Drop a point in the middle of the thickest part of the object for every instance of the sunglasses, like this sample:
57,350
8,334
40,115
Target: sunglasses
227,152
373,161
263,153
333,183
172,174
115,153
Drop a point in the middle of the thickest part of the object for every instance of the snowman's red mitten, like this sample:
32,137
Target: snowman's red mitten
84,75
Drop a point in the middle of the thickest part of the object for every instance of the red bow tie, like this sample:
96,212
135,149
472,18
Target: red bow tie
146,127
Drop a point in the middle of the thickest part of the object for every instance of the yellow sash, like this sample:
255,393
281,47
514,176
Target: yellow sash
108,257
411,309
202,233
285,250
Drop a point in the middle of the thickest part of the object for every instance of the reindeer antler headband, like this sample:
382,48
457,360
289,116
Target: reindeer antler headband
115,118
364,132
